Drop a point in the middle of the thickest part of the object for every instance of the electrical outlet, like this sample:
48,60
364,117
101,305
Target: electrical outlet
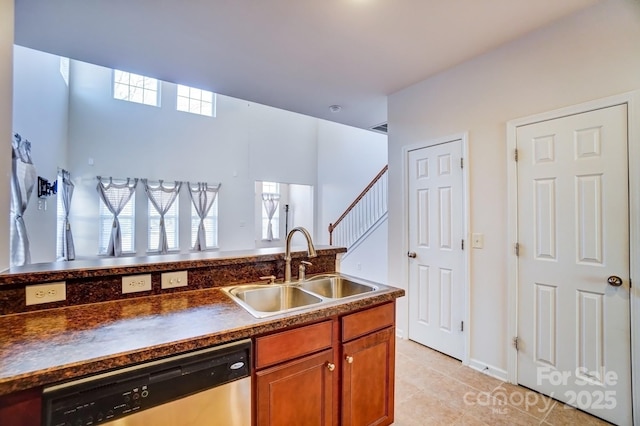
46,293
174,279
135,283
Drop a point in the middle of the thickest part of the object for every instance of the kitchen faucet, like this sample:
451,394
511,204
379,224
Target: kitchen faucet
311,251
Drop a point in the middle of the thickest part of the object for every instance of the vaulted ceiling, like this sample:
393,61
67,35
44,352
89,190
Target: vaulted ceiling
298,55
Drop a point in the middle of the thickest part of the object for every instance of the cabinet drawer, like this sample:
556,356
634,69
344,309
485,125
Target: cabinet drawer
363,322
294,343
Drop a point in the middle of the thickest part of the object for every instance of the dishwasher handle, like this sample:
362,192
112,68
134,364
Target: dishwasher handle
162,376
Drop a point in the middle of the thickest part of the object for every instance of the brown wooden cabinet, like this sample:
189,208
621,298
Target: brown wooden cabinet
300,380
298,392
296,376
21,408
368,367
368,379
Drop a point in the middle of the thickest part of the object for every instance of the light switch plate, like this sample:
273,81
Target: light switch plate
477,240
174,279
46,293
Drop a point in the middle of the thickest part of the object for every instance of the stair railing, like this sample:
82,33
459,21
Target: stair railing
362,214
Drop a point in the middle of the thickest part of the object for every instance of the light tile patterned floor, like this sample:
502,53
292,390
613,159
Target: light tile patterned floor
434,389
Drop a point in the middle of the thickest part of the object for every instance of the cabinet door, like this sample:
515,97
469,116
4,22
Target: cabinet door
21,408
298,392
368,379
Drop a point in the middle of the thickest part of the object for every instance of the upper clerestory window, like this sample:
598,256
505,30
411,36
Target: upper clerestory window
196,101
135,88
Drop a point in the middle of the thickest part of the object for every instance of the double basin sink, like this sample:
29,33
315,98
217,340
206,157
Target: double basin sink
263,300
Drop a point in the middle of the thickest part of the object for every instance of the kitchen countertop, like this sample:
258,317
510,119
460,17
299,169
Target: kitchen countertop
107,266
49,346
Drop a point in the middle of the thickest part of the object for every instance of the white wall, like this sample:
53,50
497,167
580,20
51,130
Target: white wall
302,207
40,114
244,143
6,128
368,259
593,54
348,159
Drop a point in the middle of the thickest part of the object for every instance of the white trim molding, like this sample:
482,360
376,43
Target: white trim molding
487,369
632,100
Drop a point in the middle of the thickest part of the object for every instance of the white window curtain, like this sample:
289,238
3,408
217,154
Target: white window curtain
270,202
66,193
115,196
23,180
162,197
202,196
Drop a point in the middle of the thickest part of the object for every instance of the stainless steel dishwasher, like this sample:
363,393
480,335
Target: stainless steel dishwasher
205,387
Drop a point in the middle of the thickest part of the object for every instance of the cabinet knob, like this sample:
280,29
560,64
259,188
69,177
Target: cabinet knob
331,366
349,359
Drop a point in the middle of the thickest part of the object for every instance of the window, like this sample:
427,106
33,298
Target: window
270,199
135,88
196,101
170,224
127,227
210,226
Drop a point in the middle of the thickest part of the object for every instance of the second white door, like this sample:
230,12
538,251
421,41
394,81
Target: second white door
573,268
436,257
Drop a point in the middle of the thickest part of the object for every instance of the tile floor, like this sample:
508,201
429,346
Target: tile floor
434,389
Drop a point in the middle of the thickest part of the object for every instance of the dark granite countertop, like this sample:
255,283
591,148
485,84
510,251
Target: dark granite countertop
49,346
53,271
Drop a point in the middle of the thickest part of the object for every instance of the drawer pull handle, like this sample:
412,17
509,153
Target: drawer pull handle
349,359
331,366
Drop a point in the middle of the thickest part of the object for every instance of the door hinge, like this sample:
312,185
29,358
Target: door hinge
630,283
461,325
516,248
515,155
462,244
461,163
516,341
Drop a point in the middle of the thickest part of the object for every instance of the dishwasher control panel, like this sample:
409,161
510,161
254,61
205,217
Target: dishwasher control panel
105,397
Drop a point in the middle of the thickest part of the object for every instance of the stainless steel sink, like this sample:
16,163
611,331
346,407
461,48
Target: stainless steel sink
335,286
265,300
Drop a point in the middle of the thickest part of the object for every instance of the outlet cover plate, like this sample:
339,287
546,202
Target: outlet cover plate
136,283
174,279
46,293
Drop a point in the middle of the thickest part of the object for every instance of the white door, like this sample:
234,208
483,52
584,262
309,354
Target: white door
573,234
436,262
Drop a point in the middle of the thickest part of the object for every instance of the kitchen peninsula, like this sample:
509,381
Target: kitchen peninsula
98,329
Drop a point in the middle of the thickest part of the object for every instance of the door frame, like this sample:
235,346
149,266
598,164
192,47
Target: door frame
464,138
632,100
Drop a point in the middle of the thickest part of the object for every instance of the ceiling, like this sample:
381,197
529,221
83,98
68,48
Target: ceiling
298,55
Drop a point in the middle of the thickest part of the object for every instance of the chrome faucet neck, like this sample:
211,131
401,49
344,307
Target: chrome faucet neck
311,250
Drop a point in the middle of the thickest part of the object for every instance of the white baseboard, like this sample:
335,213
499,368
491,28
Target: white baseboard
400,333
489,370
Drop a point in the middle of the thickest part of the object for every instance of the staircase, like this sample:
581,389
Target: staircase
366,212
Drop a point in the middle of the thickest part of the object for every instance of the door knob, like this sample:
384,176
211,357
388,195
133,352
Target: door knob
412,254
614,281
